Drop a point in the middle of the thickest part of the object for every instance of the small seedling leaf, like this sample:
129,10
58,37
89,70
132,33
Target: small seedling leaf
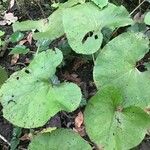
16,36
19,49
1,33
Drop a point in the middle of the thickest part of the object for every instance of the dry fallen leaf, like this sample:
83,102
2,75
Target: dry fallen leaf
9,18
26,136
79,120
3,22
22,42
14,59
79,128
29,38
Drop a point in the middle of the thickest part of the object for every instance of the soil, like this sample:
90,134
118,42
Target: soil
77,69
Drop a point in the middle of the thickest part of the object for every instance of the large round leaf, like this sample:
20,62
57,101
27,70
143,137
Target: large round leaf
113,126
29,97
83,24
117,65
61,139
3,76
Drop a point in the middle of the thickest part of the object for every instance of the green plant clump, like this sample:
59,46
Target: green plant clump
115,117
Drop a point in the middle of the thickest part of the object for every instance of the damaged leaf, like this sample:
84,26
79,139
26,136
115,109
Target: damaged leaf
84,33
119,64
29,97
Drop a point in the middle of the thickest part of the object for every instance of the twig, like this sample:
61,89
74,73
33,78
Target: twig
1,137
93,57
137,7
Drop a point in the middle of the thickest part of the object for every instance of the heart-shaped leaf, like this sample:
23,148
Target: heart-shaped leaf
118,64
113,126
29,98
84,33
60,139
100,3
3,76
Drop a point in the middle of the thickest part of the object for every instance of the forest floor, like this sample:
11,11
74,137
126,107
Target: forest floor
77,69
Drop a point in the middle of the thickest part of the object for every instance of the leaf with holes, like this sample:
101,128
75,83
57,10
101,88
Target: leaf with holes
29,97
147,18
119,64
112,125
3,76
84,34
100,3
63,139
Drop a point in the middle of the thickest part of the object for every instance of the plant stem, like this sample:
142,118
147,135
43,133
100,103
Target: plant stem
137,7
93,59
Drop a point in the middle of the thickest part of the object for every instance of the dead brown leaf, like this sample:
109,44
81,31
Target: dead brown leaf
79,127
14,59
26,137
72,77
79,120
29,38
22,42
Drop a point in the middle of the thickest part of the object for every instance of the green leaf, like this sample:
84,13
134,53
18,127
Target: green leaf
147,18
113,126
60,139
19,49
55,27
30,99
40,25
43,44
83,24
1,42
15,138
1,33
3,76
100,3
50,28
17,36
117,65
